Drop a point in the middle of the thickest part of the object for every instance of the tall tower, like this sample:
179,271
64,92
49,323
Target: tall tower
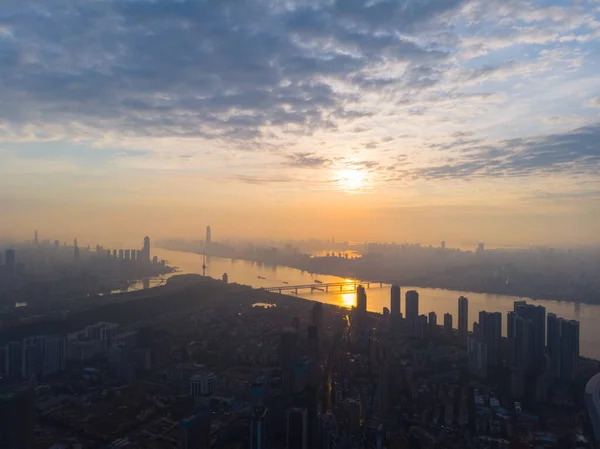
35,238
204,267
490,333
146,250
395,301
361,300
463,318
208,235
412,305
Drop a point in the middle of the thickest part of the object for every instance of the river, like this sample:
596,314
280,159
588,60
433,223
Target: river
430,299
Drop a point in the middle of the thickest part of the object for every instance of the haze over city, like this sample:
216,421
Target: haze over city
462,120
299,224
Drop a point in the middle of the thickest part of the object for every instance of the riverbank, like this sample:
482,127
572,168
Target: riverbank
486,280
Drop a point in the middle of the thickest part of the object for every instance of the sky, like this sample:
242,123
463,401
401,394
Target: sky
406,121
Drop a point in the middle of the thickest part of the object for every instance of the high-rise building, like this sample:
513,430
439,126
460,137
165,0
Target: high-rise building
420,327
127,254
537,316
554,334
259,429
121,254
14,360
463,319
510,325
443,244
35,238
490,333
10,261
208,235
521,344
55,354
395,301
134,254
114,253
145,253
33,356
448,324
412,305
477,352
569,349
432,323
194,432
287,354
361,300
297,428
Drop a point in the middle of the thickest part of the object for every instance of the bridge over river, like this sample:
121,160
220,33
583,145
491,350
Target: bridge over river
324,287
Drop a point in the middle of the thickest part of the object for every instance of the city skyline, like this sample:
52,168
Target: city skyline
462,121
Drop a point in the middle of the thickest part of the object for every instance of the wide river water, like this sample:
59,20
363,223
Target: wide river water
430,299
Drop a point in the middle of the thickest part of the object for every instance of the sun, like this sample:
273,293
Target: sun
351,180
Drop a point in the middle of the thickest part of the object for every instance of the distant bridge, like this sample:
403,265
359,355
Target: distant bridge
324,287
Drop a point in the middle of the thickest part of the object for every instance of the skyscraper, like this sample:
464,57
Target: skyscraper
432,323
490,333
554,328
195,431
297,429
10,261
313,342
145,253
463,318
522,344
208,236
412,305
510,325
537,316
395,301
569,348
127,254
361,300
448,324
259,429
35,238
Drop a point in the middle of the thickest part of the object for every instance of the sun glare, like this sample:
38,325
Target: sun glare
351,180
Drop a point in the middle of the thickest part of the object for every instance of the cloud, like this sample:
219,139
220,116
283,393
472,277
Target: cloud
594,102
576,152
307,160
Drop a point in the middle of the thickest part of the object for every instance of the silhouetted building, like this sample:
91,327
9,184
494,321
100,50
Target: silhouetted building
537,316
432,323
297,429
569,349
448,324
121,254
510,325
259,429
195,431
208,235
490,333
17,419
127,254
443,244
477,353
286,357
361,300
395,301
225,278
421,329
463,318
412,307
317,318
145,253
10,262
553,344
